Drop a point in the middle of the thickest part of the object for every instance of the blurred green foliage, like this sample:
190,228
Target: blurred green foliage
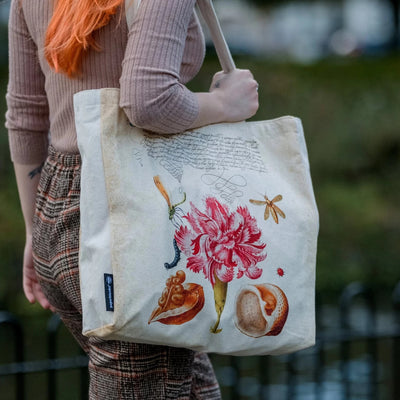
349,110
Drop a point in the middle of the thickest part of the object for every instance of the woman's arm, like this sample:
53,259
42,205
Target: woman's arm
27,122
27,117
152,93
27,181
232,97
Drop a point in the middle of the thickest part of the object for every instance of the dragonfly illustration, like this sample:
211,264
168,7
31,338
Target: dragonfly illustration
270,207
175,215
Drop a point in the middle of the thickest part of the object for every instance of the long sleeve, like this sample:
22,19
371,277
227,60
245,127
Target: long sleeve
164,50
27,118
153,93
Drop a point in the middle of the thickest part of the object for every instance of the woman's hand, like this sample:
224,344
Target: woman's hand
31,286
232,97
238,93
27,180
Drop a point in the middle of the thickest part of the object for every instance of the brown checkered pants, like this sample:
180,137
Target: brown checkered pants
118,370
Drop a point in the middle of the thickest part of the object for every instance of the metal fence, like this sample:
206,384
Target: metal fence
356,356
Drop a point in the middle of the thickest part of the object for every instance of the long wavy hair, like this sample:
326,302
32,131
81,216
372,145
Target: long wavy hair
70,31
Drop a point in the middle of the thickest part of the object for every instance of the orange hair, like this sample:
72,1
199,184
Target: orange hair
70,31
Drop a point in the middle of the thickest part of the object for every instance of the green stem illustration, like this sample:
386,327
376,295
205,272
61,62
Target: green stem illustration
220,290
172,208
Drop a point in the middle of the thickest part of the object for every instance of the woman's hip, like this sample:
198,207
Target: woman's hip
56,220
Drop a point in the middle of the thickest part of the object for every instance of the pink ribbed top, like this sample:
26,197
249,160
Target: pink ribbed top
163,50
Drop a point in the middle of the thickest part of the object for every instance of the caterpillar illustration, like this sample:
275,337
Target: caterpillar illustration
176,259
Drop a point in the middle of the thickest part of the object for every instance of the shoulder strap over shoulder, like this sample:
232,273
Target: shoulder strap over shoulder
131,7
221,47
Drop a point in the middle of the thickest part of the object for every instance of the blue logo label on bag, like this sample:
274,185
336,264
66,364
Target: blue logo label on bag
109,291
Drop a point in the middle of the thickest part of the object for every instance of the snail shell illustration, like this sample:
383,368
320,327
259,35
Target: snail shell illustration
179,303
261,310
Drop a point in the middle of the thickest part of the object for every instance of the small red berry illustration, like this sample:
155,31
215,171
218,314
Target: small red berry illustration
280,272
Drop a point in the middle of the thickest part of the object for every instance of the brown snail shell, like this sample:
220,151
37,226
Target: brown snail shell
261,310
179,303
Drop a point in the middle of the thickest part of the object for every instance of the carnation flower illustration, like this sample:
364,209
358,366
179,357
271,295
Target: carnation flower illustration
223,245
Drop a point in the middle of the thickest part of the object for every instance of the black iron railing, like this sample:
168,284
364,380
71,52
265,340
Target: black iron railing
299,375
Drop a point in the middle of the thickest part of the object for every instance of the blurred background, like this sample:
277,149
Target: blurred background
336,65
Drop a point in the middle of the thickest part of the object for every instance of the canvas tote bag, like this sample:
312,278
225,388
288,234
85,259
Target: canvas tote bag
204,239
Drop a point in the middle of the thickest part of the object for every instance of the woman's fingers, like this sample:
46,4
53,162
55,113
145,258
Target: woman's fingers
31,286
40,297
238,93
34,293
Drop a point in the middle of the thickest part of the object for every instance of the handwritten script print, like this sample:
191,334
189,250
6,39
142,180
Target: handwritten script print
228,187
204,152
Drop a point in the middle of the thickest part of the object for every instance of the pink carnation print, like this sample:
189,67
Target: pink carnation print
221,244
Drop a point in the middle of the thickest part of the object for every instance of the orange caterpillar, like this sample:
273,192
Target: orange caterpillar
70,31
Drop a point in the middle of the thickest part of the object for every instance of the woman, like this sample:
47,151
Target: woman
62,47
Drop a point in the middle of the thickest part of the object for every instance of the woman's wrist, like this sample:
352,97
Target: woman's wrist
211,109
27,180
219,106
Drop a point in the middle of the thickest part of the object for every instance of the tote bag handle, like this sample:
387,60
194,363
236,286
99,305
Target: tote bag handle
221,47
207,10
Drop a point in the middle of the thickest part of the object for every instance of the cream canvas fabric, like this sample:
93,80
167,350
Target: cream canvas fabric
204,239
205,197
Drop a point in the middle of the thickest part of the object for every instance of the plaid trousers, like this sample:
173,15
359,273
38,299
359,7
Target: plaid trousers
117,370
